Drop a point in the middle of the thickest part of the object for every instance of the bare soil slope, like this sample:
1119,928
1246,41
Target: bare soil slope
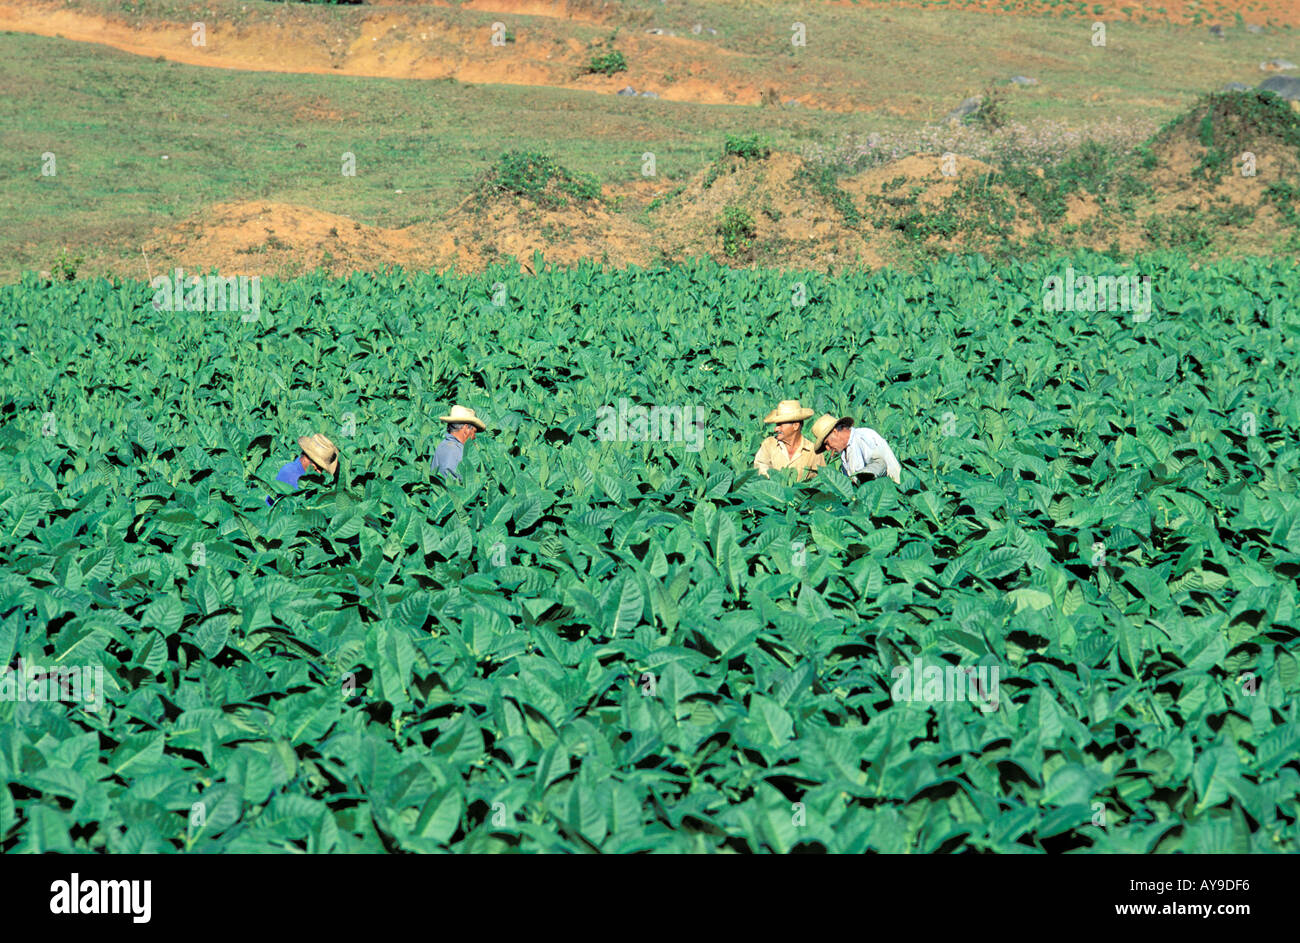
433,42
793,223
260,237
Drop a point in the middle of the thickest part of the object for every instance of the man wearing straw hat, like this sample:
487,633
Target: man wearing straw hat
787,447
462,425
318,454
862,451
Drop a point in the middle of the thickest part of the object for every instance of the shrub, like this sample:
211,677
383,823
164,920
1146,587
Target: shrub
736,227
750,148
608,64
991,113
537,176
64,268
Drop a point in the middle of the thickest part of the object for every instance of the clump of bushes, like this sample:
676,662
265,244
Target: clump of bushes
749,147
608,64
538,177
605,59
746,147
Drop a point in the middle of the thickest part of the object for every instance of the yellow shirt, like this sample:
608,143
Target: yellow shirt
772,454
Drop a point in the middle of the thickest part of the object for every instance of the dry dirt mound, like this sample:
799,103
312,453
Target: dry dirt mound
1203,163
947,199
482,230
793,224
271,238
1231,125
935,176
781,211
266,238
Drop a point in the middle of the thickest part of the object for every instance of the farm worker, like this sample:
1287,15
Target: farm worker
787,447
862,451
462,425
318,454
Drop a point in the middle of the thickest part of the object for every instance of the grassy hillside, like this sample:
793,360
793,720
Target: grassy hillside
226,135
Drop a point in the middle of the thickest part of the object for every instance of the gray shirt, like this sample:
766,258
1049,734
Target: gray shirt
446,458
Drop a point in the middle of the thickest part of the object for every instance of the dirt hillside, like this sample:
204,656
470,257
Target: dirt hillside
789,216
260,237
430,42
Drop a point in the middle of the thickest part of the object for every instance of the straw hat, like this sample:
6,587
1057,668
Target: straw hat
461,414
321,451
823,427
788,410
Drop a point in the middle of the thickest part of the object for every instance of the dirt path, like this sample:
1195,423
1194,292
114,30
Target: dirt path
298,46
382,42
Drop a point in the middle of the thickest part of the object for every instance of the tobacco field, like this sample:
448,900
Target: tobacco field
628,646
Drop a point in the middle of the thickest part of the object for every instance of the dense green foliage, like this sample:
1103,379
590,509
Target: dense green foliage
631,645
608,63
538,177
750,147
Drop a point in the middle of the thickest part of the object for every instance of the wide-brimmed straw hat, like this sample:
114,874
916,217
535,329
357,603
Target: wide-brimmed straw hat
824,426
462,414
321,451
788,410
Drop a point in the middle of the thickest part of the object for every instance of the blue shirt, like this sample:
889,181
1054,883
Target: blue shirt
289,474
446,458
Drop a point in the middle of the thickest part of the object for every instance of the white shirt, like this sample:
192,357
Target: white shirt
867,452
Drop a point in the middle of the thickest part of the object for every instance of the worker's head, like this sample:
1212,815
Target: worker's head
787,432
318,454
787,420
830,432
461,430
462,423
838,440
